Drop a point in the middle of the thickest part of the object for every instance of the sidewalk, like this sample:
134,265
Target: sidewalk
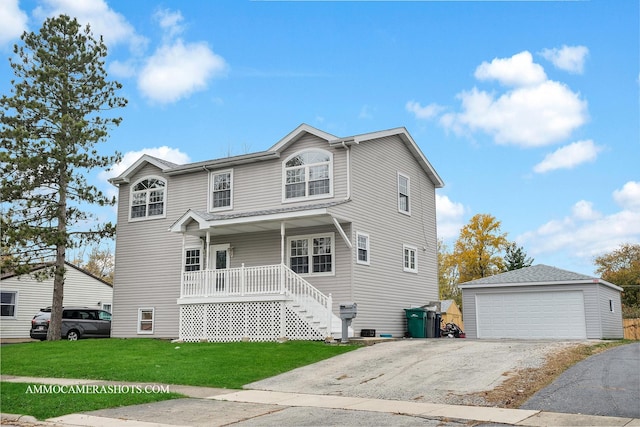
266,403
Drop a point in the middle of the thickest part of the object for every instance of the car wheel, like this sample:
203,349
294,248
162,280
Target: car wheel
73,335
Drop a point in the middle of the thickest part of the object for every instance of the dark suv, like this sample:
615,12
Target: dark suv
77,322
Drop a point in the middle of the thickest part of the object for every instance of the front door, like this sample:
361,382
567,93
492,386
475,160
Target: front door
219,261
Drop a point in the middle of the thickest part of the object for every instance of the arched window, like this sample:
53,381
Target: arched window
148,198
308,174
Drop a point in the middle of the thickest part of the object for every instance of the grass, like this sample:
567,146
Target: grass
224,365
521,385
221,365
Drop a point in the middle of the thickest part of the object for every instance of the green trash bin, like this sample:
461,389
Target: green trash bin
416,322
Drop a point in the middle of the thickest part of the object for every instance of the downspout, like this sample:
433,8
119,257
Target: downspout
348,148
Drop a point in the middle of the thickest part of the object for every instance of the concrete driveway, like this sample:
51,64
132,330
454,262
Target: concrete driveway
445,371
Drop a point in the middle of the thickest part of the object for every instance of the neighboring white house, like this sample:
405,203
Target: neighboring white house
270,244
23,296
542,302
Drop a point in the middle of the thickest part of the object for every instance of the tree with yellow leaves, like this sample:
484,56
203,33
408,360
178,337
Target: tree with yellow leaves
478,251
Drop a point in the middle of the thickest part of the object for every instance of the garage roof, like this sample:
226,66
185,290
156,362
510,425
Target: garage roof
535,275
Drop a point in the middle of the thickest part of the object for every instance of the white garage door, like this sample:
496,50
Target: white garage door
531,315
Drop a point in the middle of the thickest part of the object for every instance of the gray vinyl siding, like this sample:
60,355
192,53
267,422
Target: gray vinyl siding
259,185
594,302
32,295
383,289
611,321
149,258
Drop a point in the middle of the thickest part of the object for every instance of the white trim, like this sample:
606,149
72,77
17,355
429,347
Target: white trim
367,248
200,256
415,259
212,175
310,238
409,200
212,254
294,134
15,304
153,320
180,225
164,199
306,182
561,282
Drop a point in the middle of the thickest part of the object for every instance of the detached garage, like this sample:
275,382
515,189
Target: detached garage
541,302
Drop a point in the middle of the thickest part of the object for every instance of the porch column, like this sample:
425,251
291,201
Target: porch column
282,255
282,242
183,258
206,252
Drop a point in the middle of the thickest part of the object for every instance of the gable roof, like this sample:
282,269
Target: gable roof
404,135
535,275
125,176
36,267
274,153
445,305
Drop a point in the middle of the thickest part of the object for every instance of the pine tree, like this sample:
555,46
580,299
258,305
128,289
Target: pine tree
516,258
51,124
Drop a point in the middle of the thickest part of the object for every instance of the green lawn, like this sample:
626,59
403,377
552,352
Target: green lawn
223,365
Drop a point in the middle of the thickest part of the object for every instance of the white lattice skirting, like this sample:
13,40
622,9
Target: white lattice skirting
242,321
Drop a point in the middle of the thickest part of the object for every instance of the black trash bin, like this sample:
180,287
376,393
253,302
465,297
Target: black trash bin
416,322
437,325
431,322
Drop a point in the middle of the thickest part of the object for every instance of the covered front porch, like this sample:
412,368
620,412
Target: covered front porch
228,294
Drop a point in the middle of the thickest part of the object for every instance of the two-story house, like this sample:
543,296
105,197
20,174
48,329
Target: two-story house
268,245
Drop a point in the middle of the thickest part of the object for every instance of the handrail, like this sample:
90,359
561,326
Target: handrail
258,280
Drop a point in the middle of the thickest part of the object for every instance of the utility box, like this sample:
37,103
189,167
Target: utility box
348,312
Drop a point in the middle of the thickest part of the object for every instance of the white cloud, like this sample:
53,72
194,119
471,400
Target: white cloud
122,69
449,215
583,210
569,156
176,71
102,19
170,22
533,111
567,58
13,21
585,232
519,70
628,196
426,112
529,116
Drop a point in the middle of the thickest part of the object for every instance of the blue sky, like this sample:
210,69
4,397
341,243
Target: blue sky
529,111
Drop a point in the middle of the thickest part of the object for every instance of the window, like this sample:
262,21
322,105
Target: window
363,248
221,190
8,303
308,175
192,260
403,194
106,307
145,320
148,198
410,258
311,254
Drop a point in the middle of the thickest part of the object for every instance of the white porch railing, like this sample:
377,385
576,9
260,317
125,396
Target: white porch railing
258,280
